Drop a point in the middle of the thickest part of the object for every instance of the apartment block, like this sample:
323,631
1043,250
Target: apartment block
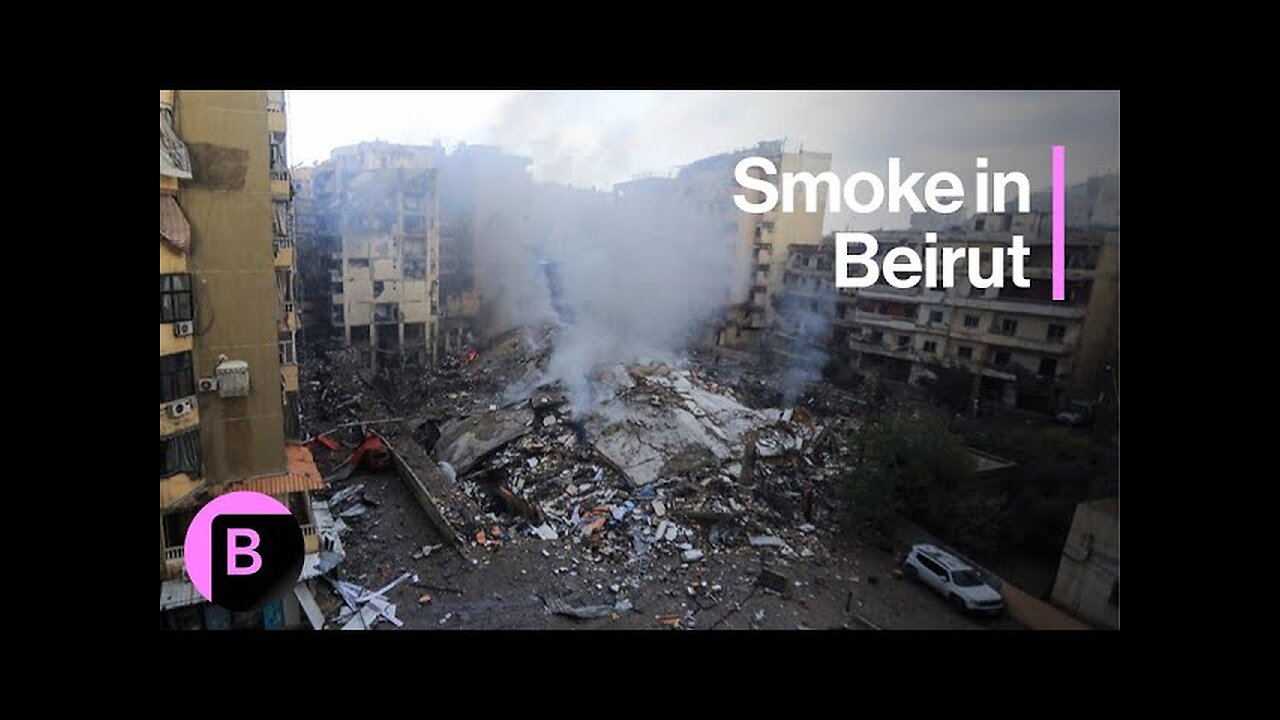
1022,348
228,376
372,218
757,244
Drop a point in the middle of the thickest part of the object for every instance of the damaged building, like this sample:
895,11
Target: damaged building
228,372
372,218
761,242
1022,348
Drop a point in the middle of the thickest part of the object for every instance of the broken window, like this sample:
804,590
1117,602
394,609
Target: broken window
935,316
360,333
904,340
180,454
1002,357
1114,598
378,286
1009,327
964,351
1048,366
1057,333
386,312
930,346
175,298
414,331
971,321
176,378
415,268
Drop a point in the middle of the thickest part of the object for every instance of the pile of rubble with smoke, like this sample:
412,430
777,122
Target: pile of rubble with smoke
666,462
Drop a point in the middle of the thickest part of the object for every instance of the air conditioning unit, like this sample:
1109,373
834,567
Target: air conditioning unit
233,378
207,384
180,408
183,328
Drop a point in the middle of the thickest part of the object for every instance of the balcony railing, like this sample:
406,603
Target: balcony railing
308,529
173,553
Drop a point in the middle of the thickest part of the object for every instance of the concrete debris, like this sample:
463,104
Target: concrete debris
772,580
354,511
691,555
448,471
584,612
546,532
767,541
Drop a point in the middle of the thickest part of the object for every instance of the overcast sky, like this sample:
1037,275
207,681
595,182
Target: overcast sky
597,138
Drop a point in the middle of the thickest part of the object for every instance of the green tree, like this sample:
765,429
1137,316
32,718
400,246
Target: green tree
907,464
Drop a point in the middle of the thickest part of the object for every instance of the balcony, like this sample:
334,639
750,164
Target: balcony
174,565
284,256
177,487
171,424
289,377
171,343
280,187
275,117
895,322
1028,307
310,539
288,319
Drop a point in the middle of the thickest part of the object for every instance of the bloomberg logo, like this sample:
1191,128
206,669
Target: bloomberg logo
244,551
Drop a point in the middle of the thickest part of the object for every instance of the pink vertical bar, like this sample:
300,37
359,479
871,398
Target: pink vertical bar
1059,221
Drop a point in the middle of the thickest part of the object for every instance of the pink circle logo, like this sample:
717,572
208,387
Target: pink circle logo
243,551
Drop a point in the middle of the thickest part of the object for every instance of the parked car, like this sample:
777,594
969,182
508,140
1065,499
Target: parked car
1077,414
953,579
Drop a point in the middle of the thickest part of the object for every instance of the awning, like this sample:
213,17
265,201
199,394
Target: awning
174,159
301,477
174,228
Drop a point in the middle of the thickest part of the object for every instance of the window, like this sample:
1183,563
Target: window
1002,357
904,340
964,351
288,353
378,287
180,454
1048,366
979,224
935,316
175,298
176,377
1057,333
971,321
876,337
930,346
1009,327
1115,594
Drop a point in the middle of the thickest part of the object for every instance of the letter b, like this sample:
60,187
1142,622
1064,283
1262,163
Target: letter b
866,259
234,550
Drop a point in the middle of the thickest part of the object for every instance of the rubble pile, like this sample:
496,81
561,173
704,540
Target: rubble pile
666,464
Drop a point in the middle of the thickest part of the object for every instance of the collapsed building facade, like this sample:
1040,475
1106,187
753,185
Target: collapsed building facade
1022,348
228,322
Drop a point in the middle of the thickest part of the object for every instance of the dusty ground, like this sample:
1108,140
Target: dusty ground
508,586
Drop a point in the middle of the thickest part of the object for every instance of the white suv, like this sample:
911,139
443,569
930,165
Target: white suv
956,581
